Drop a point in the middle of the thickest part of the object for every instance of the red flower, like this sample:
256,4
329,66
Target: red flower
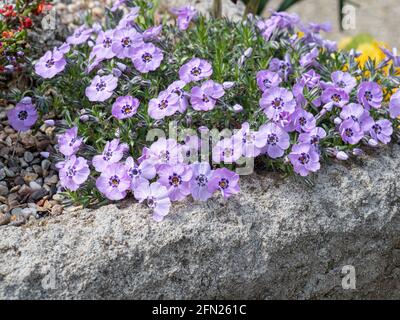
27,22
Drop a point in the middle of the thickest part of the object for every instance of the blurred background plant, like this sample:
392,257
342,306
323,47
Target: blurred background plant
17,18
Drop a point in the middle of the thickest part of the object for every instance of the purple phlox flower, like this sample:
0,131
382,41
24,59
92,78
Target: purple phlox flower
381,131
80,35
267,27
128,19
103,48
204,98
155,196
309,59
370,95
177,180
166,104
358,114
304,159
152,33
394,105
224,180
227,150
286,19
69,142
64,48
125,41
247,138
199,183
190,148
164,151
282,67
341,155
94,62
272,139
177,88
185,15
351,131
310,79
298,93
147,57
52,63
333,96
117,4
303,120
267,79
318,27
74,172
23,116
277,100
112,153
330,45
228,85
125,107
101,88
343,80
392,55
139,173
195,70
114,181
313,137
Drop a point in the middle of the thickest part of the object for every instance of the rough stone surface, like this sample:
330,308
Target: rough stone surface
277,239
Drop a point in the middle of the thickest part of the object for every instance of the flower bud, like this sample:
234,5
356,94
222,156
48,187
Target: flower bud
121,66
116,72
45,154
341,155
248,52
357,152
49,123
84,118
237,108
372,142
337,121
228,84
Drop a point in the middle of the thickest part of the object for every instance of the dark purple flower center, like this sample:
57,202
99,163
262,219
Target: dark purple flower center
201,180
126,42
126,109
107,42
73,140
267,83
178,91
223,183
164,156
349,132
336,98
134,172
114,181
368,95
196,71
272,139
71,172
22,115
107,155
248,137
50,63
228,152
283,66
354,118
151,203
302,121
304,158
163,104
277,103
315,139
377,128
341,84
147,57
175,180
101,85
205,98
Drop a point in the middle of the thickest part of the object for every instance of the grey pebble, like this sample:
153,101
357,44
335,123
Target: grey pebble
2,174
9,173
34,185
28,156
3,190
